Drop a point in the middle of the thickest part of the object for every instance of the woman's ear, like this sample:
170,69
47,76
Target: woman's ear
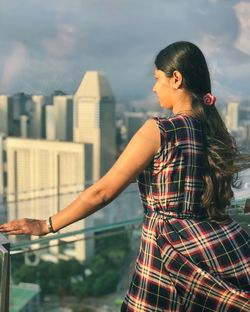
177,77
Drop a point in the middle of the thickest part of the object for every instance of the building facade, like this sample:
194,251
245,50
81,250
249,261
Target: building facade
38,177
6,120
94,120
133,121
63,105
38,168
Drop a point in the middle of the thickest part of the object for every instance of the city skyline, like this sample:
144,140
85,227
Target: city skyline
47,46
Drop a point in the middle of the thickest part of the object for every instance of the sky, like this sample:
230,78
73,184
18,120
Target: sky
48,45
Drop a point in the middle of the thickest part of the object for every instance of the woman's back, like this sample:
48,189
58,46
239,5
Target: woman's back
173,184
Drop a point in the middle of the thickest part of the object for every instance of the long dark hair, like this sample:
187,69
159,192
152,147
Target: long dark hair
222,158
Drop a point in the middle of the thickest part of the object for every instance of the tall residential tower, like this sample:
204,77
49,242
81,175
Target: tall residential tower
94,120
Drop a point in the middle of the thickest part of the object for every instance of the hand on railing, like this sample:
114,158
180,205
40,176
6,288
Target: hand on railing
25,226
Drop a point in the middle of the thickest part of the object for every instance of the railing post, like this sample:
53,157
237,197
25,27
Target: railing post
4,273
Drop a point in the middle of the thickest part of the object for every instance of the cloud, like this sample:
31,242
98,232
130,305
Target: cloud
64,42
242,10
59,40
212,44
14,66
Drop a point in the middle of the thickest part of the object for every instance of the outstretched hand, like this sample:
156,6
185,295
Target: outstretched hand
25,226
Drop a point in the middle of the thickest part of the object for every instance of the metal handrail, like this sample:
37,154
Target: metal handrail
27,243
4,273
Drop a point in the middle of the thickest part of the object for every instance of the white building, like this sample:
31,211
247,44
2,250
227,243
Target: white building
24,126
50,124
37,168
38,118
5,109
41,178
63,117
232,119
94,120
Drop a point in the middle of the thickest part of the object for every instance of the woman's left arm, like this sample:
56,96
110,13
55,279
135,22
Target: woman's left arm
136,157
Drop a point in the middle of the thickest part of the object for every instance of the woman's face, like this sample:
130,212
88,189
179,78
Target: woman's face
163,88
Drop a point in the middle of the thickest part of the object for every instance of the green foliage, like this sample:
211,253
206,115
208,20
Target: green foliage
106,266
105,283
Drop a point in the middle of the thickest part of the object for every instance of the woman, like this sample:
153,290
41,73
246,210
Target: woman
192,257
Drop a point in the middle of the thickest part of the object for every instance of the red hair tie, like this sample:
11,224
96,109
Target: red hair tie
209,99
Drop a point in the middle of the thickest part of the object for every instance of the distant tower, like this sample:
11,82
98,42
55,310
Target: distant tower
94,120
19,104
23,125
63,117
232,115
38,116
133,121
5,114
50,125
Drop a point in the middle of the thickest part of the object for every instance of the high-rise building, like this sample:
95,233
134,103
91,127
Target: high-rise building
94,120
41,176
6,119
37,120
63,117
13,107
50,124
24,126
20,105
232,115
38,168
133,121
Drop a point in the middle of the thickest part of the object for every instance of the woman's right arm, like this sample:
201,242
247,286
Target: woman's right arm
136,157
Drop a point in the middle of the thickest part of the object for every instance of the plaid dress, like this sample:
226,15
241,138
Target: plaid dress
186,262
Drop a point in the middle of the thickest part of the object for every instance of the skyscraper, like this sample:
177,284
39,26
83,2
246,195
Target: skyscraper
23,126
94,120
133,121
50,125
5,114
63,117
37,126
20,105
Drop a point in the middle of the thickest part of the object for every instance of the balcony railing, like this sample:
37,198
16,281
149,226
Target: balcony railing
86,267
4,273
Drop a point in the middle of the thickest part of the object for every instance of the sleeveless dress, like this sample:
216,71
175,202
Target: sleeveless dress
186,262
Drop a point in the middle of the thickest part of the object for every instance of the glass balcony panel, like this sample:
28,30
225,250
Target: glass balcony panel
86,266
